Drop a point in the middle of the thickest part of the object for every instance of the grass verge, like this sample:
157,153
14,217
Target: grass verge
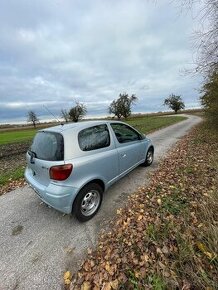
11,179
167,235
10,175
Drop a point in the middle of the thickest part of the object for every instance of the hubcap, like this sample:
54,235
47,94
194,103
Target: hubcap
149,156
90,202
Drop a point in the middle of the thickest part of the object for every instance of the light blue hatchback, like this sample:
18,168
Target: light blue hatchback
70,166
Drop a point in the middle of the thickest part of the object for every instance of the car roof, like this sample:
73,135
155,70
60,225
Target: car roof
78,125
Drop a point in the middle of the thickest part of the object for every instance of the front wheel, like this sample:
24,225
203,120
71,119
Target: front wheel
88,202
149,157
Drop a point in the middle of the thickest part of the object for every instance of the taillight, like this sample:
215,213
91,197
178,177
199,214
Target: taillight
60,172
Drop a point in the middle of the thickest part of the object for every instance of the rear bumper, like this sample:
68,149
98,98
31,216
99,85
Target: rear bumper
56,195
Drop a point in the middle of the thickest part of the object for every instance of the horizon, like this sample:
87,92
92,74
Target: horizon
58,119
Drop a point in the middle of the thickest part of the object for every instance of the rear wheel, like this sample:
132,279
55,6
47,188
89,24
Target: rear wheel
88,202
149,157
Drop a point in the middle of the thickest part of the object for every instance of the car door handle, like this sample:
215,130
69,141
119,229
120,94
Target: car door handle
123,155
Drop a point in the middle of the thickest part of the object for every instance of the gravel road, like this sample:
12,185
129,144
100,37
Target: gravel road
37,243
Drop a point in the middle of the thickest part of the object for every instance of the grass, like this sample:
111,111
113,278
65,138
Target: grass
195,229
10,175
148,124
156,282
9,137
192,229
174,203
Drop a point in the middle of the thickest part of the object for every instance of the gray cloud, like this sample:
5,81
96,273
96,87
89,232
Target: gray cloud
56,52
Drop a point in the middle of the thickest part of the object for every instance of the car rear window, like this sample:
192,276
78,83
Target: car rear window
94,138
48,146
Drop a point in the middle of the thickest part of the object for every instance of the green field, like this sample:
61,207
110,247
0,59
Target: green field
145,124
148,124
17,136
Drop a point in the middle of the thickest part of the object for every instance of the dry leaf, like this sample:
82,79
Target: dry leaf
204,250
115,284
67,275
89,251
107,286
159,201
67,281
140,217
86,286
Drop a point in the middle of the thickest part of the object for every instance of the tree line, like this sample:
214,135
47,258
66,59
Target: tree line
120,108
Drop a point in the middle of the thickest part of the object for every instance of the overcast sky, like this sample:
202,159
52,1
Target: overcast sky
56,52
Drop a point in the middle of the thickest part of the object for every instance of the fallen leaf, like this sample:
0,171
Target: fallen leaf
140,217
204,250
89,251
115,284
67,281
159,201
165,250
107,286
86,286
67,275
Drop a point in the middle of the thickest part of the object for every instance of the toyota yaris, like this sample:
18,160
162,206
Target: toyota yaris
70,166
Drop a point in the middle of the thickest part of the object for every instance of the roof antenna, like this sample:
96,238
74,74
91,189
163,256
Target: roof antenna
53,115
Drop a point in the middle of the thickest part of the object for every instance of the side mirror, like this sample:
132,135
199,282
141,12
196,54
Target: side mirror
141,136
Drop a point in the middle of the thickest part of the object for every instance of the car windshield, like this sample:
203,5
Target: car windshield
48,146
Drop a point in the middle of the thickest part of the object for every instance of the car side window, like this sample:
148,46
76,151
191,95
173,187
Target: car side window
94,138
125,133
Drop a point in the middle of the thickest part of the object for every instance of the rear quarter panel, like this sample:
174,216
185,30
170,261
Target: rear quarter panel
102,165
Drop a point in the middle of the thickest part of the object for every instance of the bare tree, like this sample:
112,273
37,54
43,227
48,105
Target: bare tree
207,54
31,117
206,39
65,115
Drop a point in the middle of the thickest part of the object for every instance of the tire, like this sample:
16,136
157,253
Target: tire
149,157
88,202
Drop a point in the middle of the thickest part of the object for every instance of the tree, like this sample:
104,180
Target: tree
207,53
209,99
31,117
65,115
122,106
205,39
174,102
114,109
76,113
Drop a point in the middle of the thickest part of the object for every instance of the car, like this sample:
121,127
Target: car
71,165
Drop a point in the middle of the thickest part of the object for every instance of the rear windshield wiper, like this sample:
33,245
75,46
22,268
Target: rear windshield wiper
32,155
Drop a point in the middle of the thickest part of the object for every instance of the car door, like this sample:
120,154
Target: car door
99,158
130,147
